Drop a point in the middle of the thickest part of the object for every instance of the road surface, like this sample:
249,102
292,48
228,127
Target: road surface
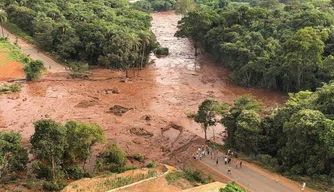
252,178
34,53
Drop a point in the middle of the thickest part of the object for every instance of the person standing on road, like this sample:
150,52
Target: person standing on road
229,170
217,161
303,186
236,164
240,164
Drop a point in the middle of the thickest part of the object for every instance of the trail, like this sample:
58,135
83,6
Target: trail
35,54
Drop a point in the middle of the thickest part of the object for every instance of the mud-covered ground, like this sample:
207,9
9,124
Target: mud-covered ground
157,99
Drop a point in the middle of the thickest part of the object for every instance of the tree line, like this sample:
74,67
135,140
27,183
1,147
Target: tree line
60,153
286,47
294,139
106,32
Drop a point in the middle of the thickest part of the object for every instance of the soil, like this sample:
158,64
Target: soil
10,69
159,97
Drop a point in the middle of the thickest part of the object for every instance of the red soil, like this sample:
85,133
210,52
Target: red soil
10,69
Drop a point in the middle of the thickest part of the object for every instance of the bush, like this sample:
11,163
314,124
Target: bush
75,172
79,67
53,186
34,70
138,157
41,170
151,164
231,187
6,88
174,176
112,158
195,176
162,51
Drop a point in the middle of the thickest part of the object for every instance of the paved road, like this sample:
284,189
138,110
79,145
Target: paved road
251,178
28,49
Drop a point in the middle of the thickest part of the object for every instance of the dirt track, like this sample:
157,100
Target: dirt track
35,54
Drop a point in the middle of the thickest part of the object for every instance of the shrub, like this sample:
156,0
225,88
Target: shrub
75,172
231,187
163,51
194,176
151,164
53,186
174,176
34,70
138,157
113,158
6,88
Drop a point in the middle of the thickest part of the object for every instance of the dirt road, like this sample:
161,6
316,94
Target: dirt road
253,178
34,53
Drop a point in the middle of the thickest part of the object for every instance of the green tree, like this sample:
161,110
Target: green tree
49,144
80,139
33,70
3,19
206,114
303,52
307,139
269,4
247,134
229,120
184,7
195,25
13,156
113,158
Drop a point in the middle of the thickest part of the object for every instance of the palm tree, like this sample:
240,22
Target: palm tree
3,19
145,40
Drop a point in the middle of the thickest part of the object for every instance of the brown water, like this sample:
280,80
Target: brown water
166,90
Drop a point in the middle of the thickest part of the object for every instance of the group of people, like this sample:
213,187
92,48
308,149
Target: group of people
204,150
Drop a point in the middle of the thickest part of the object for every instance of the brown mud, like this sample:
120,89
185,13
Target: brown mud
159,97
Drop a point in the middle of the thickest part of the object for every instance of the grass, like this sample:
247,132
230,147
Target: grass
123,181
13,53
193,176
7,88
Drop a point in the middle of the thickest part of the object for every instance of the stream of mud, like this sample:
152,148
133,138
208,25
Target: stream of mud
159,97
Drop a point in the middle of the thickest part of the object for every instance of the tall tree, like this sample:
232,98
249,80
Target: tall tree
80,139
195,25
3,19
183,7
13,156
206,114
49,144
303,52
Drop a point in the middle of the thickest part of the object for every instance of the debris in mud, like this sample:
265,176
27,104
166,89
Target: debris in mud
118,110
138,140
78,76
86,104
147,117
141,132
111,90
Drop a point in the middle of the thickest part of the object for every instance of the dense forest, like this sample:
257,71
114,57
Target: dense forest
295,139
105,32
267,44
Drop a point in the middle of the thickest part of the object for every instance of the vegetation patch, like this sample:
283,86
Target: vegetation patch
10,88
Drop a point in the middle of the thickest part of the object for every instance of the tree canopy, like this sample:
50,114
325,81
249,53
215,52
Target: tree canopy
282,47
106,32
